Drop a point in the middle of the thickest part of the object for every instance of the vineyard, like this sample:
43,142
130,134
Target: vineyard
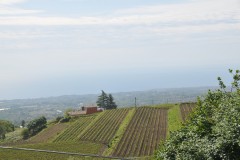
186,109
144,133
74,130
128,132
48,133
104,129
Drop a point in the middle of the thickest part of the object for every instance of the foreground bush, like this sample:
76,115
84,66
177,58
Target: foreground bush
212,131
5,127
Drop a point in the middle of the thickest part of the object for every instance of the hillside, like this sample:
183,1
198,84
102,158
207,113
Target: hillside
28,109
128,132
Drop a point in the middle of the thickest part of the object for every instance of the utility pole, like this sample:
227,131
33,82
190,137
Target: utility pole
135,102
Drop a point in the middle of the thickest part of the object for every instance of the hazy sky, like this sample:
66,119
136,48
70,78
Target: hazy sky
56,47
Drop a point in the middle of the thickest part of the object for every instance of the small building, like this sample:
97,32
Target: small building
85,110
91,110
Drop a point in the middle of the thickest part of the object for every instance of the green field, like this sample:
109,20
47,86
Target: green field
105,128
7,154
75,147
74,130
49,133
129,132
144,133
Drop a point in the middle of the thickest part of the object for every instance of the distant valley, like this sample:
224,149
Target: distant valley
51,107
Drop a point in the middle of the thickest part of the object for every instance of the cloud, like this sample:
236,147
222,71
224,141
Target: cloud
26,33
11,2
7,8
168,19
193,7
15,11
195,28
165,15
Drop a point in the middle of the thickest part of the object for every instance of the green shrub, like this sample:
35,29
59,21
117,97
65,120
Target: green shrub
25,133
59,118
7,126
213,131
37,125
65,119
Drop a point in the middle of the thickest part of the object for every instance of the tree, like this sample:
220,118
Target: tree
112,104
36,125
103,100
212,131
7,126
106,101
2,132
23,123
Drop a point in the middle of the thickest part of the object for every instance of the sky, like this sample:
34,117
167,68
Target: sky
65,47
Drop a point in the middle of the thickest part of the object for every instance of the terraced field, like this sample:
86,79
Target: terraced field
186,109
105,128
144,133
74,130
91,134
48,133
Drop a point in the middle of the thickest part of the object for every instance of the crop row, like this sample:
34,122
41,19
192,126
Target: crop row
104,129
144,133
186,109
72,132
48,133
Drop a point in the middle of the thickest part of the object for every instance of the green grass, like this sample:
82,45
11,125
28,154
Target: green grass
119,133
77,147
74,147
174,119
31,155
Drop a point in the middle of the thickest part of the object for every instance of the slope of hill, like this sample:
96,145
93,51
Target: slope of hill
28,109
146,127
